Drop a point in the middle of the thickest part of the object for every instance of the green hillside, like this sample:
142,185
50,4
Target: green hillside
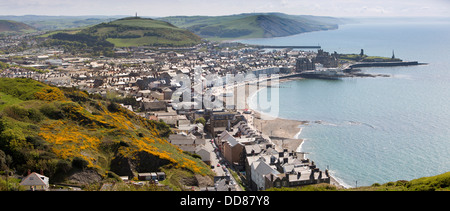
434,183
142,31
74,137
261,25
101,39
9,26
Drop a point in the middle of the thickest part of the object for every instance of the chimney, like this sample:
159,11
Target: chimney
311,176
29,172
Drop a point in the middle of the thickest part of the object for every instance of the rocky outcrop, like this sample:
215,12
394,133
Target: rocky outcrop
85,177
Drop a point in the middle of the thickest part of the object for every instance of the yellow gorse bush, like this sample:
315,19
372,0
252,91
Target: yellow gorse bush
49,94
78,136
69,142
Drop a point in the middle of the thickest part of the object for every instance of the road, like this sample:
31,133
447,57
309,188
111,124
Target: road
219,163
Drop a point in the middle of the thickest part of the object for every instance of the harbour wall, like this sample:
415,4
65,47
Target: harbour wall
384,64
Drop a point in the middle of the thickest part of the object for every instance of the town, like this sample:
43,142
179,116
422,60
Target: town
145,79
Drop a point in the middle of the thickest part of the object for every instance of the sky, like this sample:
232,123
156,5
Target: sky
162,8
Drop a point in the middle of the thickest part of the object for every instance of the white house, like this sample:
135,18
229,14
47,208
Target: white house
35,182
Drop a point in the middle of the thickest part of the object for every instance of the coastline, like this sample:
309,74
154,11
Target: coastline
284,133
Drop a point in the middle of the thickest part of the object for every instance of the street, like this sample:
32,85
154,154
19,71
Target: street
219,163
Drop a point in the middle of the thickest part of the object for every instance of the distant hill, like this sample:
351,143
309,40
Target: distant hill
250,25
14,26
72,136
135,31
46,23
101,39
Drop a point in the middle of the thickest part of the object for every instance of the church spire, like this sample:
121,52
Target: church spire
393,55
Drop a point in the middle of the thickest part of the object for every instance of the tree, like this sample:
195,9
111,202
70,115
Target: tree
5,161
201,120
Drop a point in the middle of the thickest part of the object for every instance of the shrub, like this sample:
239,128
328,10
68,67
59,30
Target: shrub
113,107
390,184
201,120
52,111
63,166
16,112
37,142
79,163
35,115
49,94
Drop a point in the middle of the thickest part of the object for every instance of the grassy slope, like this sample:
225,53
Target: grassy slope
434,183
259,25
9,26
42,126
147,32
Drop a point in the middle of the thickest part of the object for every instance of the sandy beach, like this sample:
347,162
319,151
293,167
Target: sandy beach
283,133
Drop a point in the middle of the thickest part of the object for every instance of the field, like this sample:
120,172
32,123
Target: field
142,32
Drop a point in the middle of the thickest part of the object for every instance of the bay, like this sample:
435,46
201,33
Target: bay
376,130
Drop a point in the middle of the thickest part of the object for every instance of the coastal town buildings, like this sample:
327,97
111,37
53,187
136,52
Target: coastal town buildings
147,82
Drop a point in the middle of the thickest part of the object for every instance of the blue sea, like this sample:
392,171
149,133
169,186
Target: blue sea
376,130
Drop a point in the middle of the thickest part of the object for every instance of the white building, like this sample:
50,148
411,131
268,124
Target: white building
35,182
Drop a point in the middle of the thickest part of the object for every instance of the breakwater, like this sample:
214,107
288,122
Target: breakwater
289,46
384,64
